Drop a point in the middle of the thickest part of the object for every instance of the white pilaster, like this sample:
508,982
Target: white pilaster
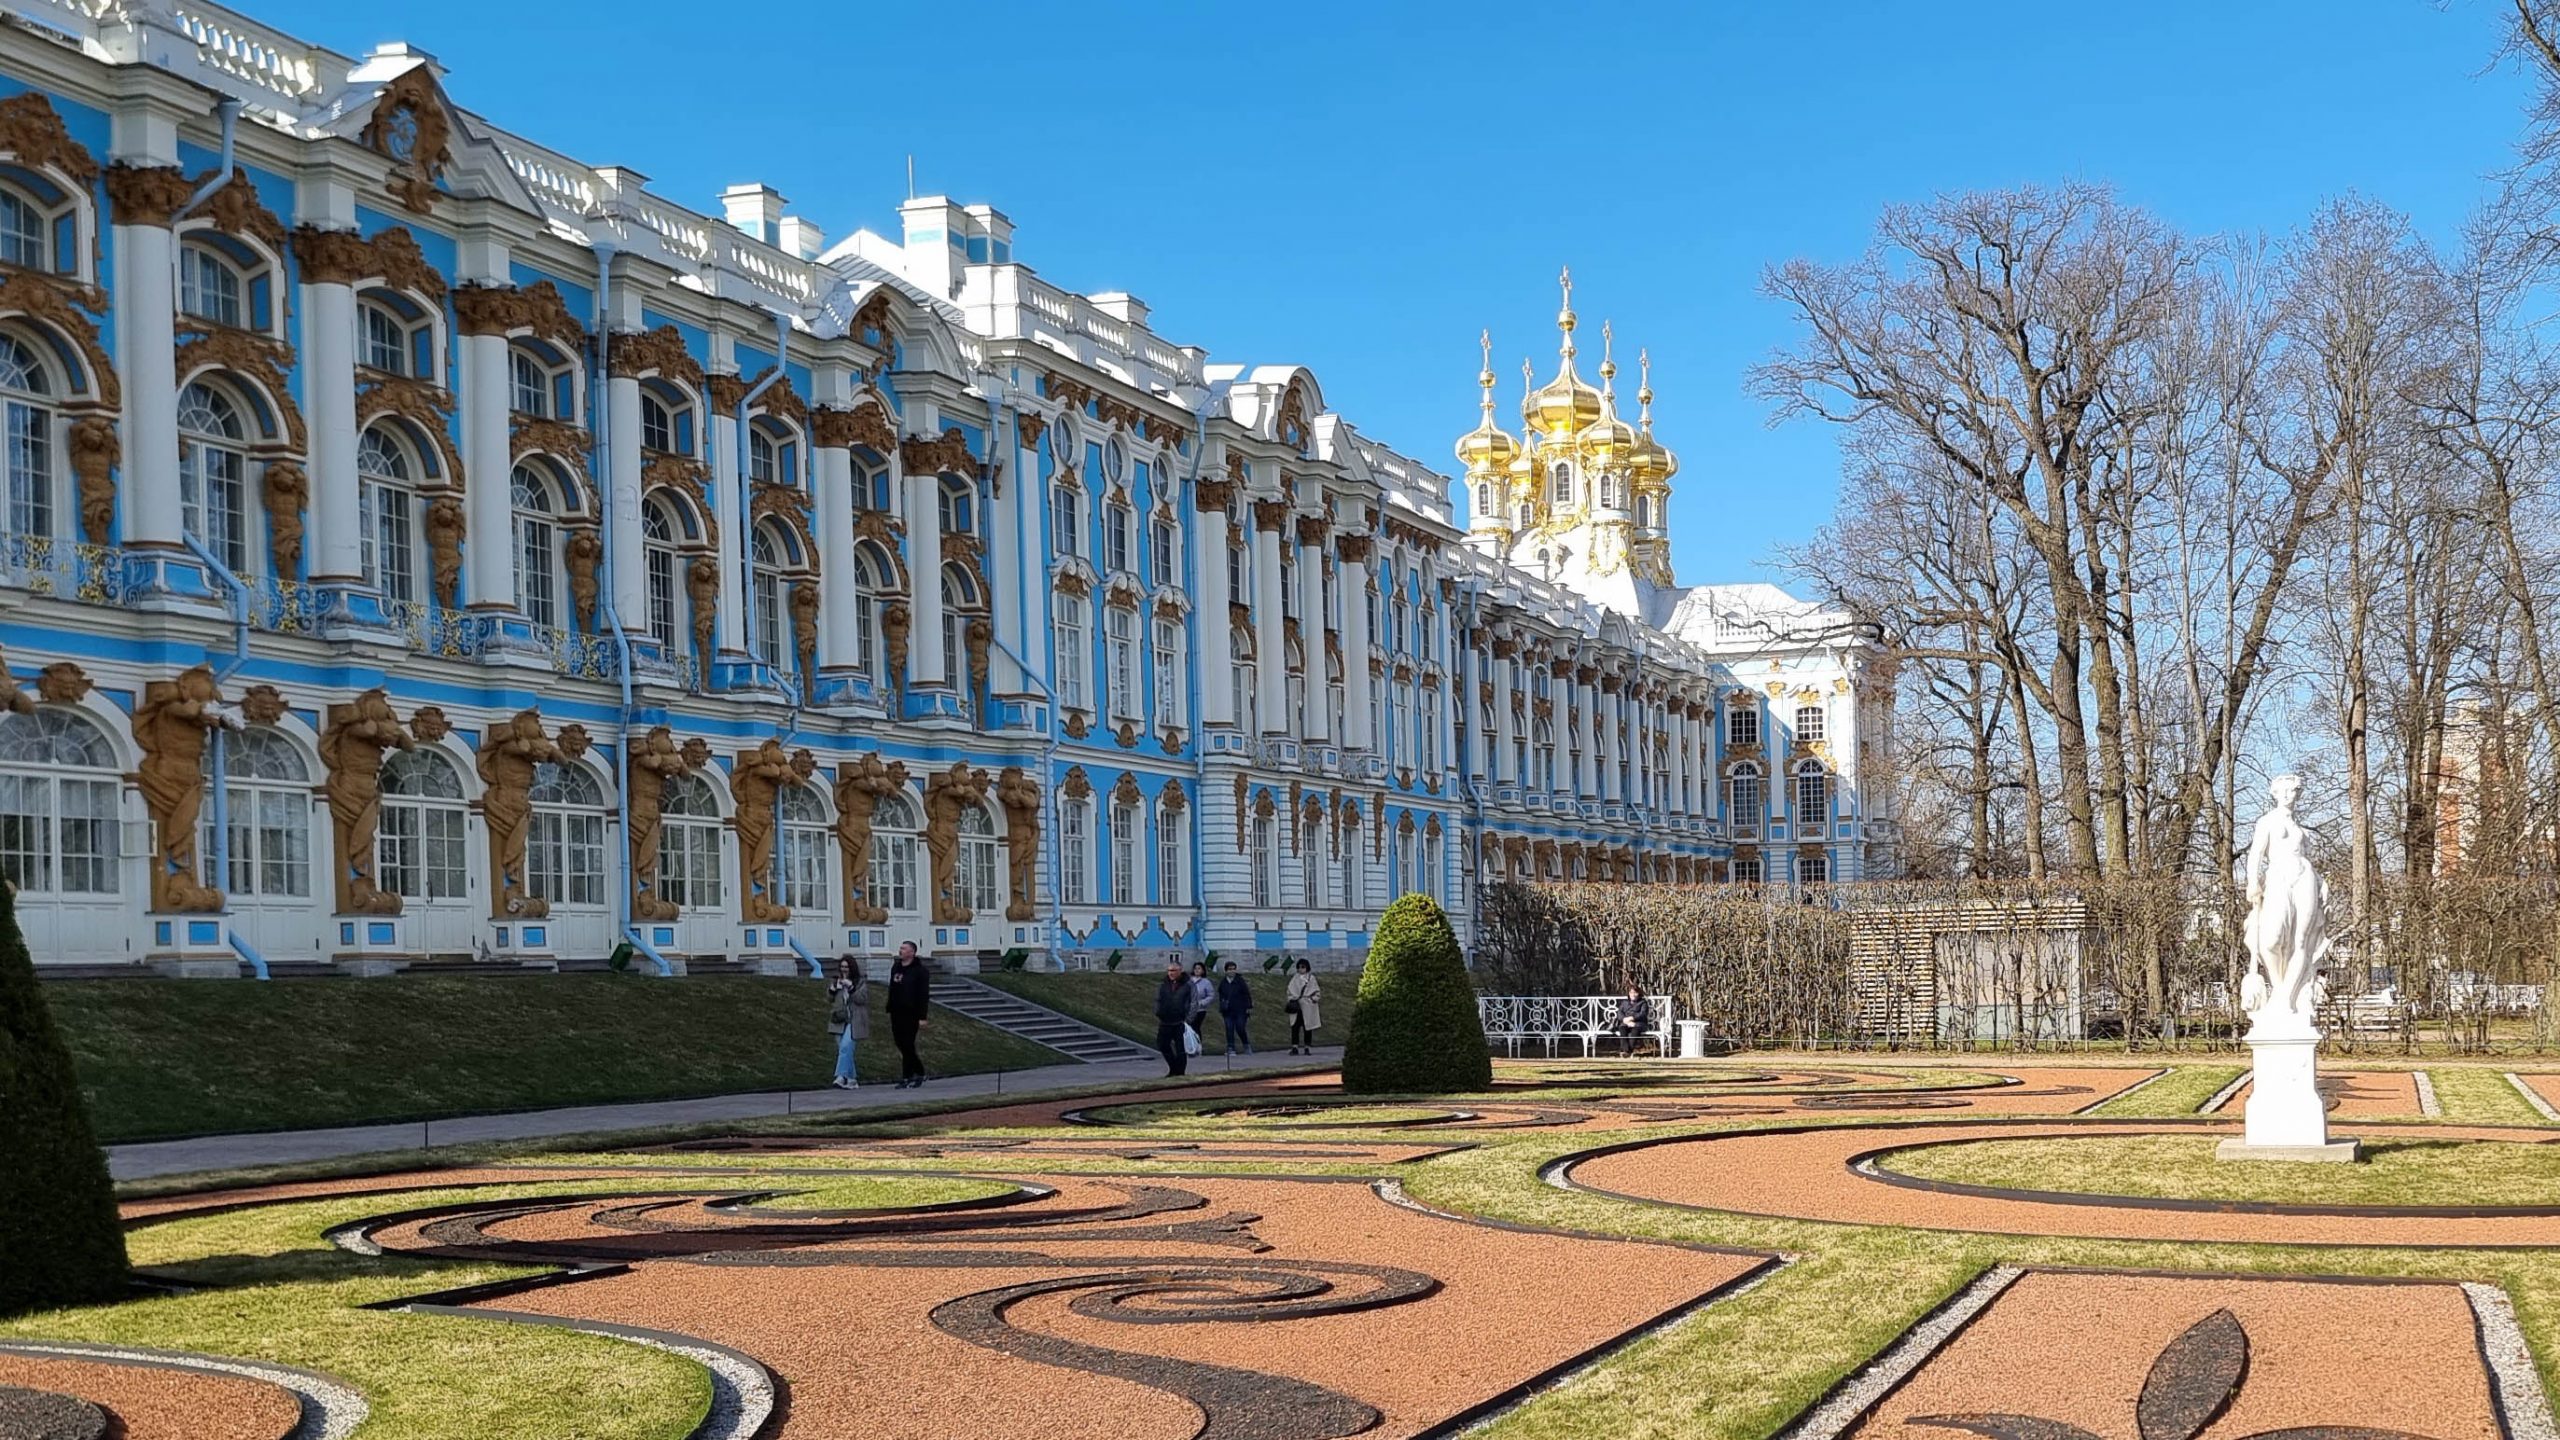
489,577
1355,644
924,568
622,509
1209,543
1317,724
1506,726
329,406
146,344
839,617
1272,671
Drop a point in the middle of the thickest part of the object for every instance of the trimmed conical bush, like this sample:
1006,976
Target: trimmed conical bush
1414,1028
60,1240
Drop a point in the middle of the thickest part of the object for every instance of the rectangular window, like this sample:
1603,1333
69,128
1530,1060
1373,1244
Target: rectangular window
977,878
662,596
1813,869
30,441
1746,872
386,346
532,388
1311,864
1742,725
207,288
564,858
804,869
533,571
1066,520
1073,665
893,872
1266,861
1124,855
1164,554
1170,855
1744,804
1075,855
689,864
1169,687
1117,537
1813,798
1809,725
1123,625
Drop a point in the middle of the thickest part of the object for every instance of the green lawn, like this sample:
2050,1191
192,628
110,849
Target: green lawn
197,1057
1124,1002
2183,1167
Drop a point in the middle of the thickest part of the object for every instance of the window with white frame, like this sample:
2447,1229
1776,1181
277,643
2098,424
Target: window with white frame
1746,798
1239,568
1243,684
26,408
772,638
802,851
1066,517
1127,835
773,453
393,335
564,854
1354,880
1433,858
269,804
664,567
959,506
873,582
1746,872
1075,852
1173,854
213,474
1813,796
210,286
1074,664
59,786
387,516
666,419
1311,862
26,230
528,384
1742,724
1431,731
1294,688
978,880
1266,861
689,843
1168,657
536,508
1408,862
1809,724
1167,551
1542,739
1118,527
1813,869
419,849
1120,627
961,604
1560,484
892,883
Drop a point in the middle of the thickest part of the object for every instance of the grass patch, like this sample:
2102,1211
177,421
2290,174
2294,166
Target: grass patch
2179,1092
158,1061
2479,1095
1124,1002
888,1192
2183,1167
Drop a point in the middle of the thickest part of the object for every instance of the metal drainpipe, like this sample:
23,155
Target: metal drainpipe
219,861
229,109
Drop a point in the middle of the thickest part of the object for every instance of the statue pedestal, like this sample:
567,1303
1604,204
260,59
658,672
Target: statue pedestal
2285,1118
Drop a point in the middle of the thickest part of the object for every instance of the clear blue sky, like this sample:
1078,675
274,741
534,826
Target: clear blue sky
1362,187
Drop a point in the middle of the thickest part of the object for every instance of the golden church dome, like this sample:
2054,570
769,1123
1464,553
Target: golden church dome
1564,405
1607,442
1486,450
1652,464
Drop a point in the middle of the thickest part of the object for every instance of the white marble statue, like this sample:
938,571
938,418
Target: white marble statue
2287,931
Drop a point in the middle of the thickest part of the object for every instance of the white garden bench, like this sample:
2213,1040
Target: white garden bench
1552,1020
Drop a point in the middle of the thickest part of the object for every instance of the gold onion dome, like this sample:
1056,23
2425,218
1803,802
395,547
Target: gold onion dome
1486,450
1652,463
1608,441
1565,405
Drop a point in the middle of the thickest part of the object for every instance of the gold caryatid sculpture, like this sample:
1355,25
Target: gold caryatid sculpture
755,783
171,726
352,744
860,784
508,755
654,757
946,796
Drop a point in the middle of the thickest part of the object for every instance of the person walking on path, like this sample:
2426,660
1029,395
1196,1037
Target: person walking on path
1235,1002
1306,1010
1204,998
848,1017
910,995
1173,1017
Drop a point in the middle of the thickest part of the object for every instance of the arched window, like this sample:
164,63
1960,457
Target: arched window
59,783
1066,516
1560,484
659,528
1075,852
210,285
418,852
1128,833
1239,561
26,407
803,850
1542,738
1813,796
666,419
213,474
1244,684
564,846
1266,861
1809,724
394,335
1119,529
1173,854
773,636
773,453
537,543
541,381
1294,687
1408,862
1429,884
1074,663
873,580
959,506
269,800
1746,798
1486,505
387,515
1170,709
689,843
892,885
1120,630
961,603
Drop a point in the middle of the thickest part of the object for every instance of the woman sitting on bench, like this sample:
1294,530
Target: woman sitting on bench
1635,1020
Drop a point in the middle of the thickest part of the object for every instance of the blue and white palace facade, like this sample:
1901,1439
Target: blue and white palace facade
421,544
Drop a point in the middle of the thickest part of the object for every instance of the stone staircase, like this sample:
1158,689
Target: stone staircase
1038,1024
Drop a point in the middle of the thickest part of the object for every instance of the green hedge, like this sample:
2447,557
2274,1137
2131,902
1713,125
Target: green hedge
60,1240
1414,1028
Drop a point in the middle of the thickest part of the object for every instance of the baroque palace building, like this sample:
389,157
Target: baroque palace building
422,545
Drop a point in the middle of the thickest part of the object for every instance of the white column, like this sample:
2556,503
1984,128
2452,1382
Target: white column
1467,704
1005,520
1357,734
1272,669
1586,778
839,618
1607,712
1445,651
622,507
1209,543
329,406
730,632
1317,724
146,348
489,576
924,569
1506,727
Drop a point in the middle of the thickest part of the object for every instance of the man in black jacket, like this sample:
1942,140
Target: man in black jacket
910,995
1173,1016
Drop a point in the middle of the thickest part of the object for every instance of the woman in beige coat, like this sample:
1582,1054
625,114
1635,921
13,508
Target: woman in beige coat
1305,1007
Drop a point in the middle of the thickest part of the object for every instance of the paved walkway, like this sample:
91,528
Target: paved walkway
145,1160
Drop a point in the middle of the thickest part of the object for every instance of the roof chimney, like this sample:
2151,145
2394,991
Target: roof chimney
755,209
937,237
802,238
